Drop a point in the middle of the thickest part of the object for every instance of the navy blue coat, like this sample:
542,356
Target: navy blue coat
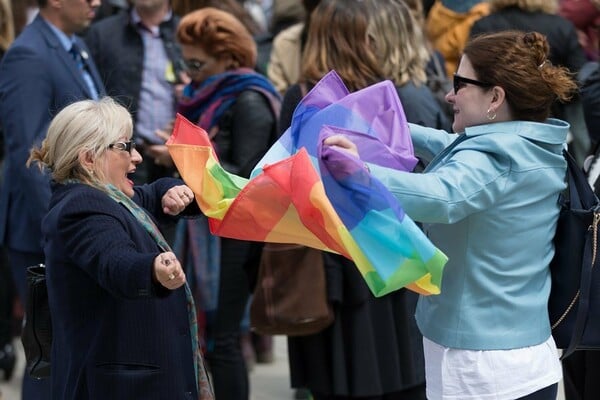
116,333
38,78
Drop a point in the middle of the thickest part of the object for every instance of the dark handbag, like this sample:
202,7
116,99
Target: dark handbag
290,297
574,304
37,324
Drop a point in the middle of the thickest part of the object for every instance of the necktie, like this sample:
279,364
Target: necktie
80,57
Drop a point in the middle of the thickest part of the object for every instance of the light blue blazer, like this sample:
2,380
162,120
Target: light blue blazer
488,200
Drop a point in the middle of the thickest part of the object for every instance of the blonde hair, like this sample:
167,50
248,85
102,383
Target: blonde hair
83,126
545,6
7,28
399,42
416,8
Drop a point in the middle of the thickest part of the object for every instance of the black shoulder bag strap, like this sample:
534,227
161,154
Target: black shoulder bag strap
577,183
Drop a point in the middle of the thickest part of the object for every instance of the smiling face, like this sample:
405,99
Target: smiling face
116,163
471,102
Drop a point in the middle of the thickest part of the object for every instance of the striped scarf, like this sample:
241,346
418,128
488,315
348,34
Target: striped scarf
204,103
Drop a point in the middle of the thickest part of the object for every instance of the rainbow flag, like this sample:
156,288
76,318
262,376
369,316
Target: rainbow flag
302,192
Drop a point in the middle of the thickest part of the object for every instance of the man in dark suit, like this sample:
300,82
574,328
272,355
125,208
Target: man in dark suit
146,78
46,68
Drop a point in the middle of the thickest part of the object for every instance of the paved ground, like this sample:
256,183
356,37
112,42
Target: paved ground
268,381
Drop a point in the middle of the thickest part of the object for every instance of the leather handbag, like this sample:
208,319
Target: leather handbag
290,297
37,324
574,303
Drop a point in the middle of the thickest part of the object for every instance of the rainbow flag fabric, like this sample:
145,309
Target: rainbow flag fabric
306,193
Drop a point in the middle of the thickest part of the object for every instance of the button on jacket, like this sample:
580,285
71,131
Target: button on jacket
116,333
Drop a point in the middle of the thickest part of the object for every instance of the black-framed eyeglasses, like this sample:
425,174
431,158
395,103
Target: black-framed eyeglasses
460,82
123,146
193,65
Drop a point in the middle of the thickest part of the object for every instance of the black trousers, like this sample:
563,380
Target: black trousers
547,393
581,372
7,294
414,393
227,365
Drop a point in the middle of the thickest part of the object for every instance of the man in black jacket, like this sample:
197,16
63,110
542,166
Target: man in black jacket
139,62
46,68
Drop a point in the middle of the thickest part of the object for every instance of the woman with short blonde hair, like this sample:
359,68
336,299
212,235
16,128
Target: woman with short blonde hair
88,126
109,271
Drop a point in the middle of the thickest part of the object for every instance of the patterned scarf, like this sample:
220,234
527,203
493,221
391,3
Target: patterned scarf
203,384
205,102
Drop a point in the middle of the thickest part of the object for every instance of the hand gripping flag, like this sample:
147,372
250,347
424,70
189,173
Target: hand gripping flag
306,193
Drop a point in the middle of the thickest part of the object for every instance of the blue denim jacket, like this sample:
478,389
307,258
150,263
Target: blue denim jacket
488,200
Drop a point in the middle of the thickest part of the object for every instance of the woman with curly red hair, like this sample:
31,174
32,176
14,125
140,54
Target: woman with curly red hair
239,108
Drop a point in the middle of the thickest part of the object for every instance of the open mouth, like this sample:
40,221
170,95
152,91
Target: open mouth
128,176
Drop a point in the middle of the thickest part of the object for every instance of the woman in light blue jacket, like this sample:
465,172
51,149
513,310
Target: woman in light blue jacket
488,199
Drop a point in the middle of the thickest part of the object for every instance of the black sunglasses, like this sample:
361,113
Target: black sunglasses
193,65
460,82
123,146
